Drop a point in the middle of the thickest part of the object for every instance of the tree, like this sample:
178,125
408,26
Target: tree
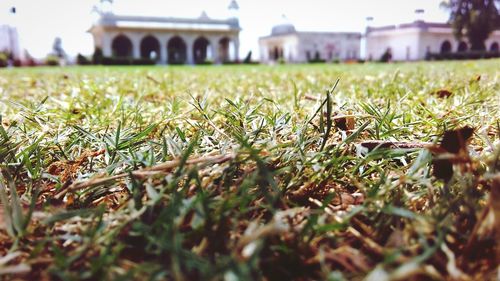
474,19
248,58
97,56
82,60
386,56
57,49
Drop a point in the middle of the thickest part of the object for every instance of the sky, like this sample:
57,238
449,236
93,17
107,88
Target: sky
40,21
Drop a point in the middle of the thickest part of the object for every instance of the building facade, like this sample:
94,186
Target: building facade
414,41
287,44
9,42
168,40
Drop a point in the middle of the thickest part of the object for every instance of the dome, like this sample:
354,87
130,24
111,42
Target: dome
283,27
204,16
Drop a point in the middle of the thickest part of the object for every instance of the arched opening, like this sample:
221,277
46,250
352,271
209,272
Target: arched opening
200,50
446,47
122,46
317,55
276,55
150,48
176,49
462,47
224,45
494,47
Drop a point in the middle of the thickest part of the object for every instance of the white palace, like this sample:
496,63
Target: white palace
200,40
414,41
169,40
287,44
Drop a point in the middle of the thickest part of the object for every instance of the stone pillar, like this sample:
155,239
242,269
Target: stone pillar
214,49
237,48
189,49
136,46
163,49
264,53
106,45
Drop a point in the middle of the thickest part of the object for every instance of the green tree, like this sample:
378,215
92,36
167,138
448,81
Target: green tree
97,56
57,49
473,19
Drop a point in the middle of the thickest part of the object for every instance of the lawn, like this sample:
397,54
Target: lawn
302,172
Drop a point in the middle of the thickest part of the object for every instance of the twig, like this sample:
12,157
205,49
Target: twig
153,79
310,97
147,172
337,117
329,120
373,246
371,145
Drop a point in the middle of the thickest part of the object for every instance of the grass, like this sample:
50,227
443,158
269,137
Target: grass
249,172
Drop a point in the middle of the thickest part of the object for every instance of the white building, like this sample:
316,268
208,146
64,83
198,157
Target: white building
290,45
413,41
168,40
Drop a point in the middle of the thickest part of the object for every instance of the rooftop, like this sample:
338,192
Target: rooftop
141,22
285,27
416,24
295,32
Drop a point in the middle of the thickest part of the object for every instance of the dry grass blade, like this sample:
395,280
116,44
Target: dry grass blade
13,269
2,219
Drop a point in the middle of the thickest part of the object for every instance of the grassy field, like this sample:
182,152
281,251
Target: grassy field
304,172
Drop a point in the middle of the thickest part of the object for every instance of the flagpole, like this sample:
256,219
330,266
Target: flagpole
11,37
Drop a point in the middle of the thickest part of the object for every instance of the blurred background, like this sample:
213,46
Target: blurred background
36,29
39,22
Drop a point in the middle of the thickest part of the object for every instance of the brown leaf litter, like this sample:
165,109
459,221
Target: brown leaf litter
313,195
66,170
452,150
345,122
486,232
443,93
